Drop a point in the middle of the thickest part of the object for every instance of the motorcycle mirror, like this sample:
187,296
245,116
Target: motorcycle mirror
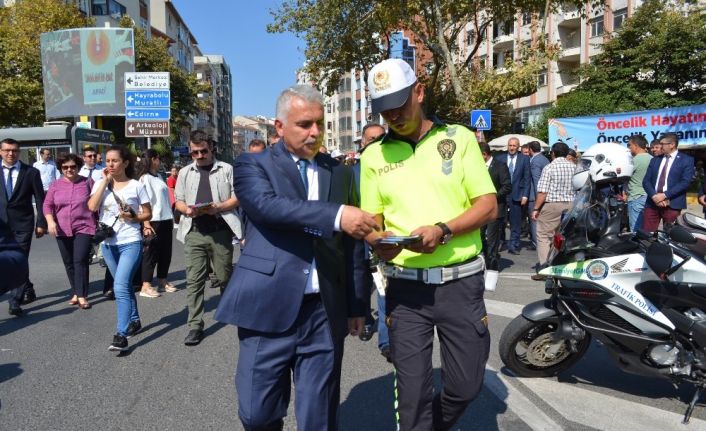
659,258
681,234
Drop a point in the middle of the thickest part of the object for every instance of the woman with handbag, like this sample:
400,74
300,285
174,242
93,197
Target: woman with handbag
123,203
158,231
72,223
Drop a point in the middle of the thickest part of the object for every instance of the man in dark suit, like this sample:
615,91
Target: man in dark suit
518,165
537,163
13,261
294,294
490,233
20,183
667,179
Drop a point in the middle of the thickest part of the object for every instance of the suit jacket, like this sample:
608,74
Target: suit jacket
18,213
500,175
521,177
537,164
681,174
285,232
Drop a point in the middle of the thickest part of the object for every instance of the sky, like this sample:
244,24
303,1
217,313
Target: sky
261,64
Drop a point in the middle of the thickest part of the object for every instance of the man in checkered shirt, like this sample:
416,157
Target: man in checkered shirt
554,195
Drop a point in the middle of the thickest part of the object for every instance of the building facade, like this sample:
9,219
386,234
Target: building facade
216,120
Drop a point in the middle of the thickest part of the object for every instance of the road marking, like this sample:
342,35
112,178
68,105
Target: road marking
515,274
503,309
517,402
602,411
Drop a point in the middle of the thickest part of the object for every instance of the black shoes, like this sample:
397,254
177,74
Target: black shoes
194,337
29,296
15,311
385,351
119,343
538,277
109,294
367,333
133,328
513,251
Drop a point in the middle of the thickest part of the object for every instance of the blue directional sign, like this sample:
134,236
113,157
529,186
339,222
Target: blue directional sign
480,119
147,99
147,114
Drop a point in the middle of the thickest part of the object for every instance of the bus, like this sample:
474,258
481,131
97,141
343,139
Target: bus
57,138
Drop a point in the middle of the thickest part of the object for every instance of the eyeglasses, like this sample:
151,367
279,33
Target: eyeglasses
67,167
90,156
197,152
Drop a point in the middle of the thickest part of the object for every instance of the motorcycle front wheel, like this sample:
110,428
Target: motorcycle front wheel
528,349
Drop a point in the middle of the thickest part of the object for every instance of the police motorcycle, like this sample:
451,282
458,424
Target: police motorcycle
643,296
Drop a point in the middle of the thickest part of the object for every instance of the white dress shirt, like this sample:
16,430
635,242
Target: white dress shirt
312,176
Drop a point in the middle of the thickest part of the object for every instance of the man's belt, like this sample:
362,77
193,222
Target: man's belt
436,275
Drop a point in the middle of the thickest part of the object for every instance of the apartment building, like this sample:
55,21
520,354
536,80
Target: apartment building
247,128
578,38
216,120
166,20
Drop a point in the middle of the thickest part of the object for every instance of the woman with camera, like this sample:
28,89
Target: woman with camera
72,223
158,250
122,203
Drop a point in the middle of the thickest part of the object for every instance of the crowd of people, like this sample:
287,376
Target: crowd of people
418,217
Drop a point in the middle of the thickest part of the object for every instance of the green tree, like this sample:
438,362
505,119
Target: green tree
151,55
657,59
341,35
21,24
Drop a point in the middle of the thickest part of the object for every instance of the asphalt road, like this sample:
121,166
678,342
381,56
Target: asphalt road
57,374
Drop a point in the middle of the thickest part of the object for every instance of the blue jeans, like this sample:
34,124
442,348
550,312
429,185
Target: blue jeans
635,211
383,338
122,261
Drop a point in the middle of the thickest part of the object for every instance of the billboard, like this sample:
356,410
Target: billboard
83,71
688,122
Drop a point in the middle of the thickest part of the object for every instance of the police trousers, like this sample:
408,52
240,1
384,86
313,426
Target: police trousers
458,312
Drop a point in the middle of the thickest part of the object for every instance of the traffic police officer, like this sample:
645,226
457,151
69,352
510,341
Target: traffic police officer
428,178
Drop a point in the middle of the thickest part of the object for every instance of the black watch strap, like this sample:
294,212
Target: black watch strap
447,234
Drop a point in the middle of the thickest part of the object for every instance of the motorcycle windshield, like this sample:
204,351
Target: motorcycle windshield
575,224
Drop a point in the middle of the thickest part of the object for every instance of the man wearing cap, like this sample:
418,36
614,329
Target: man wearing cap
429,179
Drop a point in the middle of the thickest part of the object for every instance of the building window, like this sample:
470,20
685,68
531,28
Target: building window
542,78
482,62
357,105
358,126
328,108
400,47
597,26
99,7
526,18
619,17
470,37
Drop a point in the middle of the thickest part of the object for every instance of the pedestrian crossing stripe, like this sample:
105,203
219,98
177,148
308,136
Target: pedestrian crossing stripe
480,123
481,119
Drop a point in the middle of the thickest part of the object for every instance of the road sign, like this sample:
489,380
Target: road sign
480,119
138,129
147,114
146,80
147,99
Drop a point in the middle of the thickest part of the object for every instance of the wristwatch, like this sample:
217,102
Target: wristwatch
446,233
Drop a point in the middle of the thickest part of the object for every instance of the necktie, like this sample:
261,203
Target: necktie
8,183
663,175
512,166
302,164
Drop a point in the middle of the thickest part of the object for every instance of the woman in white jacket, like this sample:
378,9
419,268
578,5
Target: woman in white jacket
158,230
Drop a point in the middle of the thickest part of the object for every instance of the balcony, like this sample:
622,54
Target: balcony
502,42
569,16
572,54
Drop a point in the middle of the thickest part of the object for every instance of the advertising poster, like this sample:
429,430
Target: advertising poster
83,71
688,122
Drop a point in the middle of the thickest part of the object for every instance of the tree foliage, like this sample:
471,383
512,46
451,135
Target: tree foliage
21,24
657,59
341,35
